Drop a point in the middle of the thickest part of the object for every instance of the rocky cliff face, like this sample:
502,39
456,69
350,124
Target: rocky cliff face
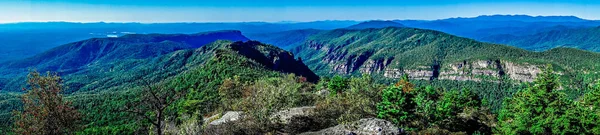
424,54
468,70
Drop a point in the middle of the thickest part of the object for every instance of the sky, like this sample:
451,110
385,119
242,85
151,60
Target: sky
157,11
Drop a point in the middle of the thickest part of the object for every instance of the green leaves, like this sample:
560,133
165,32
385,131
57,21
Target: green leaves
337,85
543,109
395,105
427,109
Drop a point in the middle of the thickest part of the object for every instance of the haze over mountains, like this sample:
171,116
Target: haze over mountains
350,47
48,35
354,49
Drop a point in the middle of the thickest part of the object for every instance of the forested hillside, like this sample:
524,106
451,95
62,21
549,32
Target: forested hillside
442,60
105,56
195,72
426,54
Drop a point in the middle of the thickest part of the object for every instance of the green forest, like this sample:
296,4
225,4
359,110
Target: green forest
382,80
540,107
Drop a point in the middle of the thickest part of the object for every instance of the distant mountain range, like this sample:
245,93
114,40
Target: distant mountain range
521,18
21,40
581,38
285,39
486,26
73,56
375,24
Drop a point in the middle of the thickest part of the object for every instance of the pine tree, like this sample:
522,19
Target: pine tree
588,111
537,109
396,104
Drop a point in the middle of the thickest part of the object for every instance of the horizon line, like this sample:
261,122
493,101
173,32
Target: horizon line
289,21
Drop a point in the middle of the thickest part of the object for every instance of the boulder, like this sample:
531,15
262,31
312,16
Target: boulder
322,93
368,126
284,116
228,117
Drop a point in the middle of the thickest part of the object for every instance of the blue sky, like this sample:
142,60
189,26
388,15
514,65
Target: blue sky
152,11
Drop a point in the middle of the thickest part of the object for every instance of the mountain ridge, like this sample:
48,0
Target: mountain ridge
70,57
581,38
524,18
375,24
427,54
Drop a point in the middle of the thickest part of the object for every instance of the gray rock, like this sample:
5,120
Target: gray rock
323,93
229,116
284,116
368,126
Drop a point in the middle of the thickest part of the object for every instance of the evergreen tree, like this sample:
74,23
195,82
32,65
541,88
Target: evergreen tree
588,111
396,104
538,109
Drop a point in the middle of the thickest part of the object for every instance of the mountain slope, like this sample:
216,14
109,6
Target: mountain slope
425,54
124,72
71,57
583,38
285,39
101,64
375,24
104,89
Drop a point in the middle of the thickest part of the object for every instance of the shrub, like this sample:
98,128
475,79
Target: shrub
396,105
270,95
337,85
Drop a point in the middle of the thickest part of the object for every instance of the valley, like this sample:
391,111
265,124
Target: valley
498,74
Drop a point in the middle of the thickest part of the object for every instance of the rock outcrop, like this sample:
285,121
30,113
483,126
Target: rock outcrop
284,116
476,70
368,126
230,116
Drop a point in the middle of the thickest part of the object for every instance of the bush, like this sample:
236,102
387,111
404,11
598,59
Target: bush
396,105
351,105
337,85
269,95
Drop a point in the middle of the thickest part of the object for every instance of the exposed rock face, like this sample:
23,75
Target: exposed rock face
230,116
371,66
522,72
368,126
477,70
284,116
421,74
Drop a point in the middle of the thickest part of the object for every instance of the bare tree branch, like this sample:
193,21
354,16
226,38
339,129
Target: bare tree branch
157,98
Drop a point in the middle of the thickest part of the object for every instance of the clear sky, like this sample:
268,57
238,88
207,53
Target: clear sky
152,11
